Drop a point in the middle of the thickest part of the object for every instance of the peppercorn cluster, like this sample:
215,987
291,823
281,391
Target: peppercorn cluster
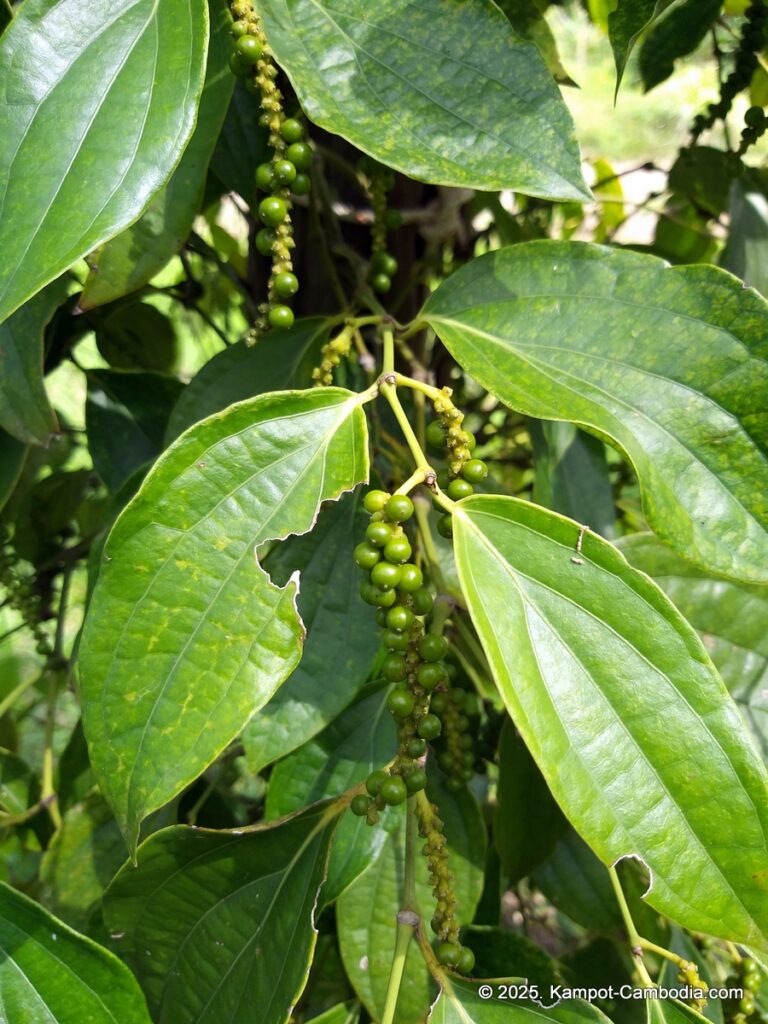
285,174
751,42
751,979
449,950
383,265
331,355
689,975
21,596
446,435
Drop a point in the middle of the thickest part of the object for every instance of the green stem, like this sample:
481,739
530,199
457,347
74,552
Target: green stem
10,698
389,351
421,386
47,792
427,540
411,482
473,646
407,918
632,933
389,392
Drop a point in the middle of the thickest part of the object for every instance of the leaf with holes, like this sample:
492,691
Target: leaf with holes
186,636
89,92
471,105
669,363
617,700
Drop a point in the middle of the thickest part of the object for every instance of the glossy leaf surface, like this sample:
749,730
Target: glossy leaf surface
342,756
622,709
669,363
25,411
366,912
283,359
674,36
186,636
48,973
341,636
220,925
117,89
241,146
471,105
731,618
129,261
625,24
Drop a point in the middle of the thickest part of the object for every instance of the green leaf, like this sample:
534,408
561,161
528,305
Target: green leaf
282,359
220,925
471,105
18,786
746,252
344,1013
186,636
703,175
626,23
50,973
675,36
81,861
668,363
647,769
342,756
366,911
131,260
527,823
137,336
242,145
25,411
126,415
461,1003
88,144
341,642
501,953
571,475
731,618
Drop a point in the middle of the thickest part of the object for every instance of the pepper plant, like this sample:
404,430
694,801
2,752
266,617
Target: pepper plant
383,528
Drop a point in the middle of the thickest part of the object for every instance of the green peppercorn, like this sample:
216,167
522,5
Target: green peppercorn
385,575
429,727
286,284
449,953
280,317
273,211
379,534
366,555
422,601
393,791
466,960
249,48
302,185
264,241
411,578
375,501
300,155
292,130
416,780
383,263
374,781
458,489
395,640
435,435
401,703
399,618
445,526
398,550
417,748
239,66
474,471
285,172
399,508
433,647
393,667
360,805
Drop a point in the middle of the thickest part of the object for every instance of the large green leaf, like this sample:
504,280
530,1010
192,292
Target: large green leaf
282,359
669,363
25,411
625,24
574,880
50,974
13,455
461,1002
621,707
132,259
342,756
242,145
341,635
366,911
528,20
186,636
96,105
219,926
732,619
472,104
